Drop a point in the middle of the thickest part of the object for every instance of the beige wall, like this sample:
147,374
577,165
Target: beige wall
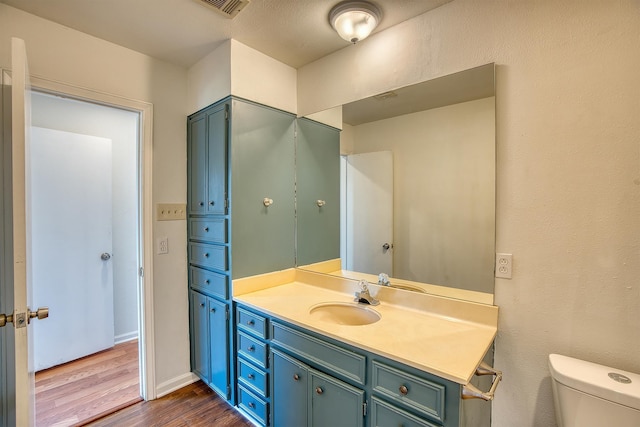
444,192
61,54
568,169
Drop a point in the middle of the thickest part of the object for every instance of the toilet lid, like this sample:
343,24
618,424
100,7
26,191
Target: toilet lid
607,383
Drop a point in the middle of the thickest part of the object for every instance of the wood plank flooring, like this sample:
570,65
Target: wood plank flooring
85,389
194,406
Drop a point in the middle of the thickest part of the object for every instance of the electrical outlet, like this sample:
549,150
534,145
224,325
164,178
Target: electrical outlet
504,266
163,245
171,211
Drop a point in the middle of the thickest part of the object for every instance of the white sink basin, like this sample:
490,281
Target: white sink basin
343,313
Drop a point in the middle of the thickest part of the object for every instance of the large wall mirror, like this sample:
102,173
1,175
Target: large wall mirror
418,187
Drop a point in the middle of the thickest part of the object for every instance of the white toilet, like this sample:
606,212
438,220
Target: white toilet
586,394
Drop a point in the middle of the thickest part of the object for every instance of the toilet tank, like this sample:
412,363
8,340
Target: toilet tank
587,394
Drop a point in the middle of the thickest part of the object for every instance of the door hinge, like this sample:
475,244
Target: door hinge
141,271
226,313
364,409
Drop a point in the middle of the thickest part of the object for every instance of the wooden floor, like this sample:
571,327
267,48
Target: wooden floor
83,390
194,406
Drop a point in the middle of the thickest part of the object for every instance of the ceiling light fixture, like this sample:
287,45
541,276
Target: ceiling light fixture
354,20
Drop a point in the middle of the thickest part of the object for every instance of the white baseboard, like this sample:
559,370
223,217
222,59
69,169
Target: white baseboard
129,336
175,383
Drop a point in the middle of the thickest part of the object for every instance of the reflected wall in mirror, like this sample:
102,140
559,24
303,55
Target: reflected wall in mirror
418,182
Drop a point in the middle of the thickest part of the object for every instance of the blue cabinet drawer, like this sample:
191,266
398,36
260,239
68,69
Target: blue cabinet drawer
252,349
383,414
408,390
208,229
336,360
252,323
209,256
252,378
208,282
253,405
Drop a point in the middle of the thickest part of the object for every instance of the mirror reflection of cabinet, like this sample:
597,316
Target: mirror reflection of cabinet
317,192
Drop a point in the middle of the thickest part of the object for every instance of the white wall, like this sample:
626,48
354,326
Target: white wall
59,53
121,127
568,169
444,192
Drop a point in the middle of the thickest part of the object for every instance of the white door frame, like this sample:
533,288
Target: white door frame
145,219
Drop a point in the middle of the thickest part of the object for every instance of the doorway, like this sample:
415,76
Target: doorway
84,170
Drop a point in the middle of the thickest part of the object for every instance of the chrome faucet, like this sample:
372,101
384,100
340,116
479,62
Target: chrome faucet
364,296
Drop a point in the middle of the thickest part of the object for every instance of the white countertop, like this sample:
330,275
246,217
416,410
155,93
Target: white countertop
442,341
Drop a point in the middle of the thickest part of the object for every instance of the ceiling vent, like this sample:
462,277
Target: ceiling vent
227,8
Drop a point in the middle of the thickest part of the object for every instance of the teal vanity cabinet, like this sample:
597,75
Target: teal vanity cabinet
241,220
312,380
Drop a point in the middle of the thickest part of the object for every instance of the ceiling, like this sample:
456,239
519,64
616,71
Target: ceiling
295,32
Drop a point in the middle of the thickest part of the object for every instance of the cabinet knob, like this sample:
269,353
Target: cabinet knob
251,322
211,203
206,255
206,229
206,282
319,390
296,377
320,203
251,376
252,405
251,349
201,203
267,201
213,310
201,304
404,390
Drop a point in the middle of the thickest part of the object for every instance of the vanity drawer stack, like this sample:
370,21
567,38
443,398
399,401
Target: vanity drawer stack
253,364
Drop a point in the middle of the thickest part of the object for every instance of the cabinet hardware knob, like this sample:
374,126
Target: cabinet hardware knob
201,304
206,229
201,203
320,203
404,390
251,376
213,310
251,322
319,390
296,377
207,281
251,349
211,203
252,405
267,201
206,255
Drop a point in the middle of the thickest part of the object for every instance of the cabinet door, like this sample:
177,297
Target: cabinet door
199,336
197,141
262,166
217,161
289,393
317,192
334,403
219,346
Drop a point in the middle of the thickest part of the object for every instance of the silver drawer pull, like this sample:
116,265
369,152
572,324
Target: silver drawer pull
201,304
403,390
319,390
206,255
469,391
250,322
213,310
251,349
206,229
207,281
296,377
320,203
251,376
252,405
201,203
267,202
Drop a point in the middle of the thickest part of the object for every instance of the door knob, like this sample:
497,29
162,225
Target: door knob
40,313
387,246
105,256
4,319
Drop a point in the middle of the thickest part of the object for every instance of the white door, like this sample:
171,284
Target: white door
368,195
71,239
20,123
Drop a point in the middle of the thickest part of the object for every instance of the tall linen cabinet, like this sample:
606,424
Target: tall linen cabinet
241,207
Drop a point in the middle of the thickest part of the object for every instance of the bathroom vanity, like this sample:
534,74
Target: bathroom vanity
406,365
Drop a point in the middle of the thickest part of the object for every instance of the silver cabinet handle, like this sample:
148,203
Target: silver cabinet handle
267,201
403,390
105,256
319,390
320,203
